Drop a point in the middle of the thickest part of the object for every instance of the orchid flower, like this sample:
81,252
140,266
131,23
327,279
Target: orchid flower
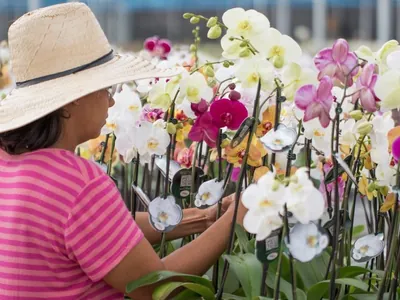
251,71
194,88
165,214
210,192
387,89
316,102
152,138
337,62
228,113
265,201
158,47
249,24
204,130
368,247
365,85
281,49
256,153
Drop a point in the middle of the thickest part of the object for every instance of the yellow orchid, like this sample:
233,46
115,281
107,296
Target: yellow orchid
363,188
256,153
267,122
182,133
95,147
389,202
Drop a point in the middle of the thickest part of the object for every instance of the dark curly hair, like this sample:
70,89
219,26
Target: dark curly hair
42,133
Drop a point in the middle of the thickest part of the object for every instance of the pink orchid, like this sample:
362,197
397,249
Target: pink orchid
158,47
199,108
365,88
316,103
204,130
337,62
228,113
185,156
151,114
330,187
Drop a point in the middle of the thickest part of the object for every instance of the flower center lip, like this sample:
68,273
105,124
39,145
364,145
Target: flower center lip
312,241
152,144
205,196
364,249
163,217
265,203
226,118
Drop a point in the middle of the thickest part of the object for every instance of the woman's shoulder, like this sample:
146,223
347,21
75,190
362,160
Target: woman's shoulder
78,166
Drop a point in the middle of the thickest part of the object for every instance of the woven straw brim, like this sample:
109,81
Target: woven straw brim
25,105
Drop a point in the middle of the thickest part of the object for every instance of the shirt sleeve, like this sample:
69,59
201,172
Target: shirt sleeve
100,230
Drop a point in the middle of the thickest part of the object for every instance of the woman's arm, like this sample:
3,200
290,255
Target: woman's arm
194,258
194,221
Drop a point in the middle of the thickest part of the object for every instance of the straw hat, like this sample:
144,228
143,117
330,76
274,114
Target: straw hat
59,54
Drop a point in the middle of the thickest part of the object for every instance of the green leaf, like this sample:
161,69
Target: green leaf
357,230
313,271
318,291
354,271
187,295
285,287
242,239
262,298
163,291
248,270
231,283
300,158
158,276
364,297
226,296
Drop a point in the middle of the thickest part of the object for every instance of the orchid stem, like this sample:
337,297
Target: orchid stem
109,166
192,187
135,183
239,189
103,151
279,267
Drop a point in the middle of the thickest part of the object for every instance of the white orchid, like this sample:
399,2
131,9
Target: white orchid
368,247
385,174
320,136
280,139
294,77
249,24
303,199
281,49
125,112
210,192
387,89
306,242
381,125
251,71
165,214
265,201
379,57
194,88
162,94
152,138
348,132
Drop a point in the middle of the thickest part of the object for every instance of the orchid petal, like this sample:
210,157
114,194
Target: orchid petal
340,50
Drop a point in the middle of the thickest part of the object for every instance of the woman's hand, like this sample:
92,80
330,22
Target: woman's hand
228,205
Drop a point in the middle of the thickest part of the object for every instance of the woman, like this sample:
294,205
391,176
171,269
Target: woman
65,232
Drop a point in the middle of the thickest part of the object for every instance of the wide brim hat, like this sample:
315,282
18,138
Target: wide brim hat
59,54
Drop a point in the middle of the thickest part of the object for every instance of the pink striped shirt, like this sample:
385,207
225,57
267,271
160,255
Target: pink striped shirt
63,227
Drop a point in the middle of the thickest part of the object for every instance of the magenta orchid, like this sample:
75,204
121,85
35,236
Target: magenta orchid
396,149
316,103
365,88
337,62
228,113
158,47
204,130
329,189
199,108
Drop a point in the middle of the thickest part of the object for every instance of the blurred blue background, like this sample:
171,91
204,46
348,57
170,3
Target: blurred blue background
129,22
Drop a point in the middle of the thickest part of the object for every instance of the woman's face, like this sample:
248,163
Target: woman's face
91,113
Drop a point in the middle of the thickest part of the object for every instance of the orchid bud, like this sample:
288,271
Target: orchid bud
225,143
194,20
232,86
243,44
187,15
211,82
364,128
244,53
212,21
193,47
171,128
356,114
235,95
372,187
179,126
190,121
209,71
275,185
384,190
214,32
226,64
278,61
